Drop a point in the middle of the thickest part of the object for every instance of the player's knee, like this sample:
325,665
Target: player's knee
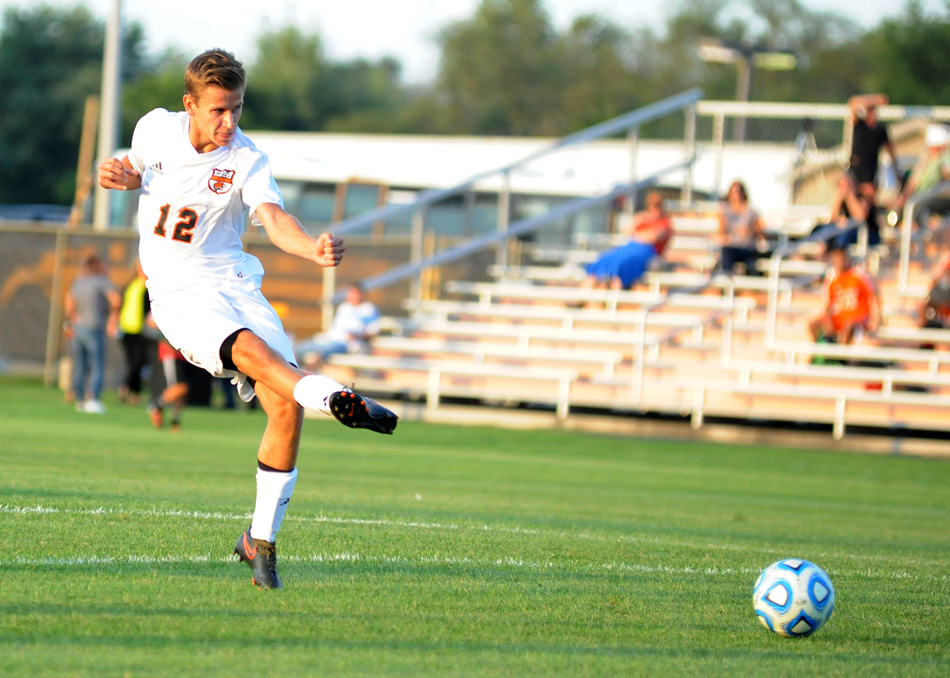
278,408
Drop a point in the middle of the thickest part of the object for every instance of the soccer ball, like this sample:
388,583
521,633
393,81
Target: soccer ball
793,597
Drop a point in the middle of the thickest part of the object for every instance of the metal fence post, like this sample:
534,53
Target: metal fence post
633,138
719,131
504,218
690,140
417,252
55,322
326,304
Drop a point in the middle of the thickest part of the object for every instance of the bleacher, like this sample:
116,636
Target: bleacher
684,342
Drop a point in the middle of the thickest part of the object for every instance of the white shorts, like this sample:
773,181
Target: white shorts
197,320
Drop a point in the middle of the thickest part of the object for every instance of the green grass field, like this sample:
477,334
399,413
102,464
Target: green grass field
451,551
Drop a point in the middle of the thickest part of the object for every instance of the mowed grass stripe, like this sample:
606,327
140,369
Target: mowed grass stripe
484,529
508,562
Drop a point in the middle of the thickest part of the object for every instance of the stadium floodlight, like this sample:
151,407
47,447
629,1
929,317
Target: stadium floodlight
746,58
775,61
714,51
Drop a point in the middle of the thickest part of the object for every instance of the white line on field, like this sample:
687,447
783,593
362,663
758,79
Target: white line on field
499,529
438,561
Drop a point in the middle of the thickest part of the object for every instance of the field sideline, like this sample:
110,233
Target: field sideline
452,551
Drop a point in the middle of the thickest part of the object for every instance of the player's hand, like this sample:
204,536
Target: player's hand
329,250
113,174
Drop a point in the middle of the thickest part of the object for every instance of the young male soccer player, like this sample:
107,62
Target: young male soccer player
198,173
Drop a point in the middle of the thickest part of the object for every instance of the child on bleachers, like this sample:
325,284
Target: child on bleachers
852,302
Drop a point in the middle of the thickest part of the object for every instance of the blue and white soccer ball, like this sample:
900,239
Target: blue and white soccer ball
793,597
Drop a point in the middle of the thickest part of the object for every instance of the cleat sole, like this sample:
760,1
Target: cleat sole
353,411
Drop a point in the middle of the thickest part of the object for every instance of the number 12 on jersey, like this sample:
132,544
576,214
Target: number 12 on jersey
187,220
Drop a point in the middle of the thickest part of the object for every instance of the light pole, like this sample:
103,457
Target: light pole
108,110
746,59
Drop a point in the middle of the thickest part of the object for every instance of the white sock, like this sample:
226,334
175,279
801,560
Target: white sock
314,390
274,489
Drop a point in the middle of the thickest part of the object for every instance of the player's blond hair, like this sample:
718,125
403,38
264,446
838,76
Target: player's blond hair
217,68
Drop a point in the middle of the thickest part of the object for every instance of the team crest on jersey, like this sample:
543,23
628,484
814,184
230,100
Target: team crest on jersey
221,180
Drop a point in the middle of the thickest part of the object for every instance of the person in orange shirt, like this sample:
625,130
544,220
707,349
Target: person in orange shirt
852,304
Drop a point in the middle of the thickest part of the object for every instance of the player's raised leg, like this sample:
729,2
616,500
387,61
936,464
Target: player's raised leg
252,356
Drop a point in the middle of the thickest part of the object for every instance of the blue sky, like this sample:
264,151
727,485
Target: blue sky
373,28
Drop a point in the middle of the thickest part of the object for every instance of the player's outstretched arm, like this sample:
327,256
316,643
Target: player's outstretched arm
285,231
119,174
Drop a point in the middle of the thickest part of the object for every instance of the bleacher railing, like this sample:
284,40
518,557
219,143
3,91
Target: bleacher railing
628,123
911,212
820,133
783,252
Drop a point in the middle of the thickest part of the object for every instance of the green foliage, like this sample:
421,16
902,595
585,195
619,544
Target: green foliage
50,61
160,85
285,89
603,72
293,86
452,551
908,57
506,70
499,71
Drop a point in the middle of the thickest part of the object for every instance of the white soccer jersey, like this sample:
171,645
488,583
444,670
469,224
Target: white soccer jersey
192,205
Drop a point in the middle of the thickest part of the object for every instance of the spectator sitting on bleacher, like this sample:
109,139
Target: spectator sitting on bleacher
355,324
931,170
852,303
935,309
852,206
621,267
741,232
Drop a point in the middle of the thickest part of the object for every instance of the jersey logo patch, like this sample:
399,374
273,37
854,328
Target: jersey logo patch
221,180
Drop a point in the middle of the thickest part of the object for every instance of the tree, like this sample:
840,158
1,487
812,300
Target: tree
294,86
603,72
499,72
50,61
159,84
286,89
906,56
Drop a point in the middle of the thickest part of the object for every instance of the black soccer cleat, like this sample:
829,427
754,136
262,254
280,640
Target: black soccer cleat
261,557
358,411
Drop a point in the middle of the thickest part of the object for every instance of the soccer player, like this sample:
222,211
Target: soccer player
199,173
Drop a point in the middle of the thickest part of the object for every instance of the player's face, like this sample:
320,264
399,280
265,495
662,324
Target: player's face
215,113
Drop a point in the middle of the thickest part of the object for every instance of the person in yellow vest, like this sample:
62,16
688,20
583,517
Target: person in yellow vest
136,342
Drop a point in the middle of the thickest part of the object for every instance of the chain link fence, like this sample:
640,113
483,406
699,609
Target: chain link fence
38,263
819,136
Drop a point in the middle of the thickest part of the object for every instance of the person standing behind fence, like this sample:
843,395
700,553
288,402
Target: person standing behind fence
869,136
741,232
136,342
92,313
